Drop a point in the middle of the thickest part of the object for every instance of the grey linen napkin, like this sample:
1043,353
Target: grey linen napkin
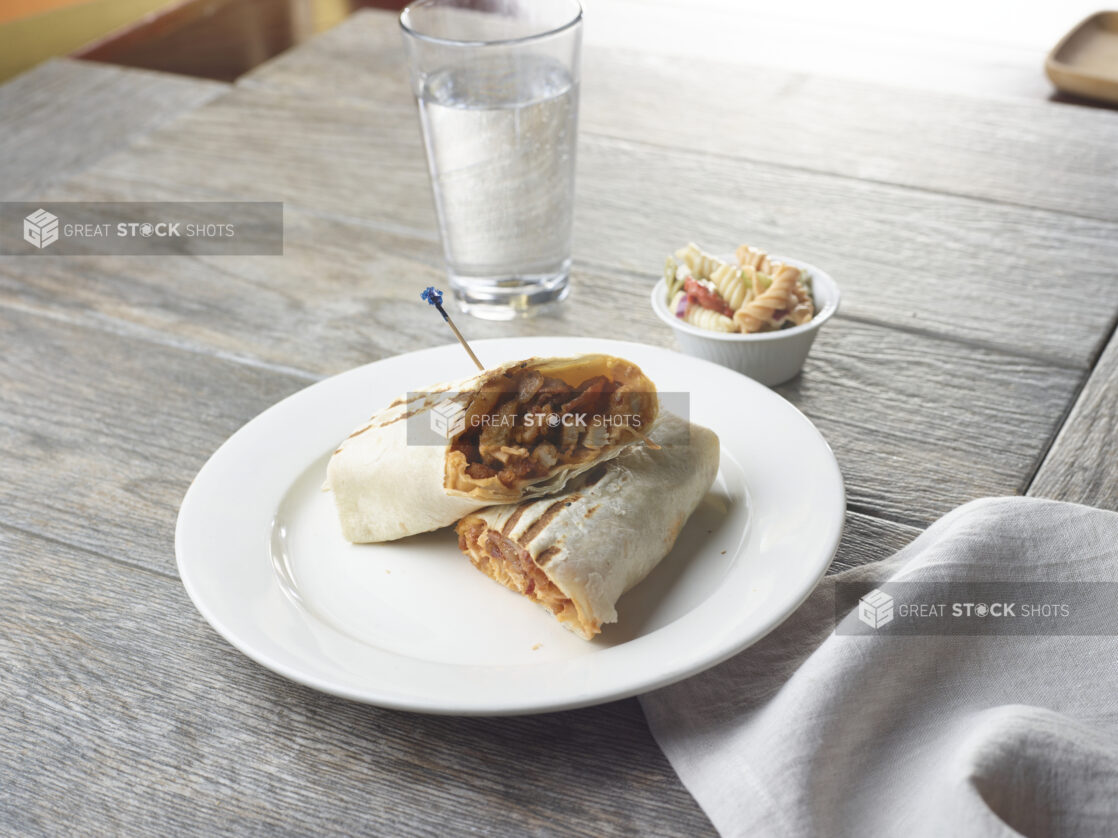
813,732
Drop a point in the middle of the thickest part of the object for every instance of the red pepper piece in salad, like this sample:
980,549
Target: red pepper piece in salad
699,294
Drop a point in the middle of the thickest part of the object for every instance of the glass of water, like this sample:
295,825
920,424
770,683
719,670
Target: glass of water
497,86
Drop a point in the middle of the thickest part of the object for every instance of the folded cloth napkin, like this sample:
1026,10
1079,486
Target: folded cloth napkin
813,732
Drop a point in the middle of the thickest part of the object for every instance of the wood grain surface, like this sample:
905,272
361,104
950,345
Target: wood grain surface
974,240
361,59
103,433
64,115
967,145
1082,465
920,260
126,714
994,415
868,539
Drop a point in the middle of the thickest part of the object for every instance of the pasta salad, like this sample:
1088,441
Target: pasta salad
752,294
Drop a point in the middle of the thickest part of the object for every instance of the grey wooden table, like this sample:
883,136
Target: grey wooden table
976,241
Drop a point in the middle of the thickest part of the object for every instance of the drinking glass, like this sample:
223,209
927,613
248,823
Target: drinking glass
497,87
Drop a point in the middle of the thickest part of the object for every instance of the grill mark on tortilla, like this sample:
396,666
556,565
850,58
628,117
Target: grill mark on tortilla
548,516
424,394
514,518
358,433
592,510
547,555
426,405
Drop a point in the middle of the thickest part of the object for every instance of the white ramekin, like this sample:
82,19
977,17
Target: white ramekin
769,357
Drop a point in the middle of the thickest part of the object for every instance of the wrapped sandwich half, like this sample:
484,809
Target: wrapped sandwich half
519,431
577,552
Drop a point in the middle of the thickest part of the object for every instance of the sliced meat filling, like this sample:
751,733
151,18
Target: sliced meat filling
523,426
504,561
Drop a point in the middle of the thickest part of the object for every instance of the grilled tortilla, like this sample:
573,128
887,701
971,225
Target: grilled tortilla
526,429
577,552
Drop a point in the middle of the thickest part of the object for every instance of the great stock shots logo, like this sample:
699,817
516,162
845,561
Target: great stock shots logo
875,609
40,228
550,424
940,607
448,419
76,228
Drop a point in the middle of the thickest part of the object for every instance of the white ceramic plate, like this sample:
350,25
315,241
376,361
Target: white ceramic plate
412,625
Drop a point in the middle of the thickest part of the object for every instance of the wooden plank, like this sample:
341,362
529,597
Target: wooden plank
361,58
919,260
1025,153
101,435
863,385
921,425
909,259
866,539
123,709
1082,465
333,156
62,116
342,295
1029,153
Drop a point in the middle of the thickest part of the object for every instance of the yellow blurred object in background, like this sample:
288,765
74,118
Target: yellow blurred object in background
58,27
237,33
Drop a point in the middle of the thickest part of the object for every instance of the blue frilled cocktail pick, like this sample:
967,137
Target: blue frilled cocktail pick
434,296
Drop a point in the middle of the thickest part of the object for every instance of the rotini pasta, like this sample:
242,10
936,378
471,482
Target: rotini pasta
731,285
704,318
758,282
751,257
804,308
756,294
699,263
771,308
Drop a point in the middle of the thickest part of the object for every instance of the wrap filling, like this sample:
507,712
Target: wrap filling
503,560
523,425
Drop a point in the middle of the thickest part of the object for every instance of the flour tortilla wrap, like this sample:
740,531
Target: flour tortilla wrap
576,553
385,488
